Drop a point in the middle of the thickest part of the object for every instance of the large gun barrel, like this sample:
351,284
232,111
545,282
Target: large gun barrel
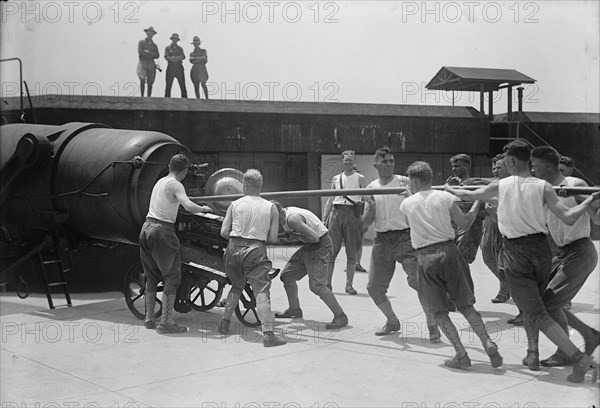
88,179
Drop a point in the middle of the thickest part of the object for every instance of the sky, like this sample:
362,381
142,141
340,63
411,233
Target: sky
327,51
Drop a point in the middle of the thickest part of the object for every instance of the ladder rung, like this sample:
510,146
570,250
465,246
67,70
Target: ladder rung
51,256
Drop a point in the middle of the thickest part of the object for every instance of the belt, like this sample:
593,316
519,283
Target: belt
243,240
157,221
574,243
437,244
394,231
526,237
343,206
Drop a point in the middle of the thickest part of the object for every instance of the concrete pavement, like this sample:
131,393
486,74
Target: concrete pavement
97,354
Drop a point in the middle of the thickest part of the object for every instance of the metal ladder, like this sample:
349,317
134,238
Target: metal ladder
50,258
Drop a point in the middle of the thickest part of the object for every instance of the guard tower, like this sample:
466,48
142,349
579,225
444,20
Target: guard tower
481,80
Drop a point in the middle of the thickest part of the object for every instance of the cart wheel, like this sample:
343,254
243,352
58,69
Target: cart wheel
134,289
205,293
246,309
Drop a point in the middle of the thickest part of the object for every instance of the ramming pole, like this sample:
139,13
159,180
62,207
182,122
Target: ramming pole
361,191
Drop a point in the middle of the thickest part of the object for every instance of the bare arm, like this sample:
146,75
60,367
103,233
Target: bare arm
369,215
464,221
274,227
183,199
298,226
227,223
591,209
403,179
567,215
362,181
485,193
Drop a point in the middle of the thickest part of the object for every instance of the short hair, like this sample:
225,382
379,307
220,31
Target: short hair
547,154
253,177
465,158
382,152
420,170
497,157
567,161
518,149
179,163
348,153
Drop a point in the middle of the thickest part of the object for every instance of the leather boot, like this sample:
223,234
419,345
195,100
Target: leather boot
459,361
338,322
167,324
582,363
271,340
492,351
389,328
532,360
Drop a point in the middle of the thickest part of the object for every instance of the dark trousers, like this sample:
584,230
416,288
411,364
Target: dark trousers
467,243
570,269
246,259
199,77
312,260
441,273
388,248
159,252
175,71
491,243
527,263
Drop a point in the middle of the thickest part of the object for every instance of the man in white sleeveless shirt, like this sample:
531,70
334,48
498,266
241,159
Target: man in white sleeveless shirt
250,223
391,243
566,166
343,221
491,240
159,246
576,255
491,243
526,254
430,214
312,259
467,241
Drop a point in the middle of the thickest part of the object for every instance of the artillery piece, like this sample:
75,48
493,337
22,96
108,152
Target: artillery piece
67,187
63,188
